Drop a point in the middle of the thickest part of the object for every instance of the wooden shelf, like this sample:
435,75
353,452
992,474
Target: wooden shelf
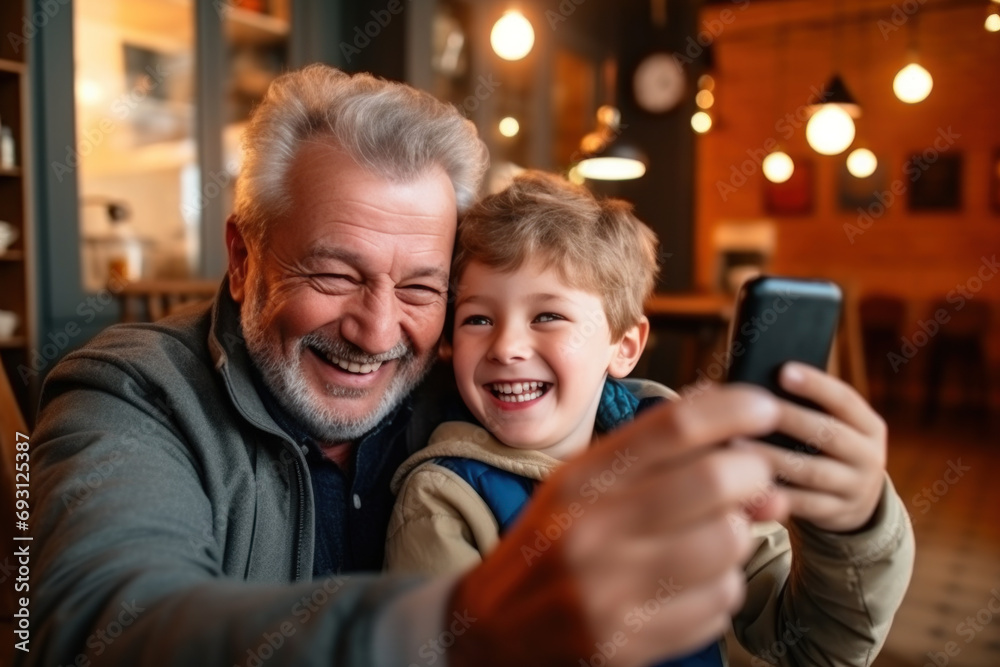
12,66
246,27
12,342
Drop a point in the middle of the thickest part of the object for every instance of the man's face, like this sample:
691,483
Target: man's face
343,306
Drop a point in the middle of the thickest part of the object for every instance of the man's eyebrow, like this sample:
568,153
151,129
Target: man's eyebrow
435,272
320,252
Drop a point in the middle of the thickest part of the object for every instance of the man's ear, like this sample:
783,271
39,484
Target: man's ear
239,259
629,349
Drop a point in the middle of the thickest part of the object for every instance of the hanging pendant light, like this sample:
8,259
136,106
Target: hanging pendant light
777,165
607,157
861,163
913,83
831,129
512,36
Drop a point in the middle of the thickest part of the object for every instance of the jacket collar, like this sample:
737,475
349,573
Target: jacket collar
232,360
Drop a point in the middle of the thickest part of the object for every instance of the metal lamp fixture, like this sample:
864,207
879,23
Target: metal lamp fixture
607,157
831,129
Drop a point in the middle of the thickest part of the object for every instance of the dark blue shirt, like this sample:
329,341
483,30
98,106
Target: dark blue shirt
352,506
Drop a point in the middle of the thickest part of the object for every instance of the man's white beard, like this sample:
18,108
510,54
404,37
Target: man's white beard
285,379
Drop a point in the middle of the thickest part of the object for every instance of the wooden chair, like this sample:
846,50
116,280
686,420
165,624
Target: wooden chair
150,300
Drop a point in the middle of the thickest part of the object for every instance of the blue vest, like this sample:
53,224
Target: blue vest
506,493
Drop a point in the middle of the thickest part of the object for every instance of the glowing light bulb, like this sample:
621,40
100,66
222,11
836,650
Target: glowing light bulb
912,84
830,130
512,36
861,163
509,127
701,122
993,23
778,167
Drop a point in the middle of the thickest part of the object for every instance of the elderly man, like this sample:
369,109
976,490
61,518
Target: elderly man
204,483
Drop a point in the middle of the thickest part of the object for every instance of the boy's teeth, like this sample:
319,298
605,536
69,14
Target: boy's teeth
520,398
518,392
353,366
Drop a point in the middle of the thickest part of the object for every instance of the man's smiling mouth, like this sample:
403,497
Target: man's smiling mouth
349,366
518,392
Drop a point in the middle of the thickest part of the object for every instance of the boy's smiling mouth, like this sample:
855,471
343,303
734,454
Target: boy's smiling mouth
518,392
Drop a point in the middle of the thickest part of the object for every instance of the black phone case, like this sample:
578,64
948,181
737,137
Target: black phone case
779,320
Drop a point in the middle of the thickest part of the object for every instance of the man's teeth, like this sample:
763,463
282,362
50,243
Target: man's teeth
353,366
518,392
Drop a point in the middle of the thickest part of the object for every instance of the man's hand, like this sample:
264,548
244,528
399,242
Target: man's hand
837,489
632,552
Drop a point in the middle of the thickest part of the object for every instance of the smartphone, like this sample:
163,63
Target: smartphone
778,320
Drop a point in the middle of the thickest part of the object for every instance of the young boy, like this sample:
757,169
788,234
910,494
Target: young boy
550,285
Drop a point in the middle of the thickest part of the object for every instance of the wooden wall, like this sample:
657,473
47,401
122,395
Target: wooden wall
919,256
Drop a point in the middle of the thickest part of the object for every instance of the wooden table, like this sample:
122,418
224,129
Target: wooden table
149,300
701,318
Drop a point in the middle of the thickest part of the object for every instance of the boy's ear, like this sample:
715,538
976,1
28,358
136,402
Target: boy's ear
629,349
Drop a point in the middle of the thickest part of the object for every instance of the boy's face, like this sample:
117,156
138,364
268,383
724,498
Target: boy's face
531,355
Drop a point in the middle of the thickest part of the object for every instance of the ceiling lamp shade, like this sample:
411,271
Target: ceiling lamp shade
912,84
778,167
512,36
616,161
831,129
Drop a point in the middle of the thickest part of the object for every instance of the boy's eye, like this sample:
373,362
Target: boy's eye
548,317
477,320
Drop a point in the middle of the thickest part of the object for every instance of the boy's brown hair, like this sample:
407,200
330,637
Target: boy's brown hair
596,245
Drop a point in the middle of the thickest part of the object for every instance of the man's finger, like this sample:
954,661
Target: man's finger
675,430
662,499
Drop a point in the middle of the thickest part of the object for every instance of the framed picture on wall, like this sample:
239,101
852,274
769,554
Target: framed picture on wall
796,195
995,181
934,185
855,193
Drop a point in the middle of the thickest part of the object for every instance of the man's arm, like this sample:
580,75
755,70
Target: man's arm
628,551
129,549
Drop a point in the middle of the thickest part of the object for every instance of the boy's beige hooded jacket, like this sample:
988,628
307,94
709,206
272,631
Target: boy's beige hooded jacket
813,598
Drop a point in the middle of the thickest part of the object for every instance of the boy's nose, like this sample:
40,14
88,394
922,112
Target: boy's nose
508,346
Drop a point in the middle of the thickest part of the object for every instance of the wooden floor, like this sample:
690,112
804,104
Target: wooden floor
957,526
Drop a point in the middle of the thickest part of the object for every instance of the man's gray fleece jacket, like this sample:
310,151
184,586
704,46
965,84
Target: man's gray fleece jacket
171,513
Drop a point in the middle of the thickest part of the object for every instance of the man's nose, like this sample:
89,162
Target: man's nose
509,345
372,321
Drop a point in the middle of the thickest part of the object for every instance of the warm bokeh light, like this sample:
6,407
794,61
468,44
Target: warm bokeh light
993,23
610,168
706,82
704,99
830,130
512,36
88,93
912,84
861,163
701,122
509,127
778,167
